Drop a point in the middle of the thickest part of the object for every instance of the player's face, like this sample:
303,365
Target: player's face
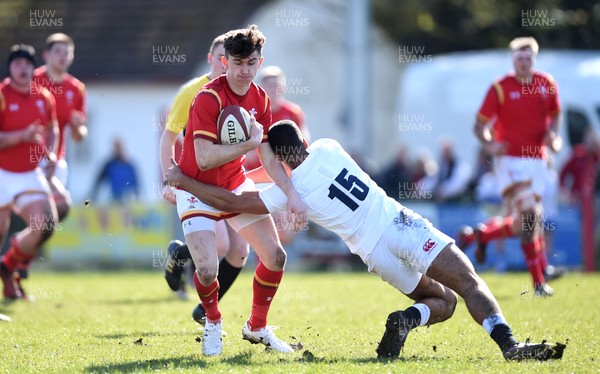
523,62
21,71
59,57
272,87
214,60
243,70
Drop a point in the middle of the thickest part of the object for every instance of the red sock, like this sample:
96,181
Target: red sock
497,229
209,296
533,264
15,256
265,286
542,257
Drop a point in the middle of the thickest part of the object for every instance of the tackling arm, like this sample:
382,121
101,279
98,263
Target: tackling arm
277,173
274,169
217,197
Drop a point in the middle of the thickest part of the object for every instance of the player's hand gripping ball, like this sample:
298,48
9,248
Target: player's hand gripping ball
233,125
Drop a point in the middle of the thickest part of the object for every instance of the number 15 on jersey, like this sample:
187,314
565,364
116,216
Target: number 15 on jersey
352,187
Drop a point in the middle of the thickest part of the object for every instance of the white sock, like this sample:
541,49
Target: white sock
492,321
425,313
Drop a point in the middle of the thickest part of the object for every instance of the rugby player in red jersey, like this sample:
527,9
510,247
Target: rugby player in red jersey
205,159
517,122
232,249
70,96
28,132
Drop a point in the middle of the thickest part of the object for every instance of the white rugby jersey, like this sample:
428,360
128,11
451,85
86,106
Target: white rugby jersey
340,196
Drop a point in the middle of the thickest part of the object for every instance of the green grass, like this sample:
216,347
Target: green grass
89,322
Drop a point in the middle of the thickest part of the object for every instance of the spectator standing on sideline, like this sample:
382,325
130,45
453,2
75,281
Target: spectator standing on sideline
120,175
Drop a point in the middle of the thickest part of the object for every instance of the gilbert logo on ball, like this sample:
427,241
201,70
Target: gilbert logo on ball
233,125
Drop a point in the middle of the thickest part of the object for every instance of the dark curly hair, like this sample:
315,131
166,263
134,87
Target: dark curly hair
242,43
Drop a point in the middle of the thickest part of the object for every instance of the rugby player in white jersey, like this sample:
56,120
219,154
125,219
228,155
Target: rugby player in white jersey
402,247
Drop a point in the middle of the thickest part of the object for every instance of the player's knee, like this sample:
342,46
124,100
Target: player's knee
43,230
529,221
223,246
207,274
451,301
281,257
239,249
524,200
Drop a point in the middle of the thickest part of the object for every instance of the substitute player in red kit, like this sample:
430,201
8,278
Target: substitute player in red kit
523,110
70,96
28,131
205,159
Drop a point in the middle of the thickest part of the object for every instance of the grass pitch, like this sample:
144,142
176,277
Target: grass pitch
131,322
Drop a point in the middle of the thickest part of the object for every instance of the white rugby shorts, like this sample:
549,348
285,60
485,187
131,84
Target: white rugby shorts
405,250
23,188
513,169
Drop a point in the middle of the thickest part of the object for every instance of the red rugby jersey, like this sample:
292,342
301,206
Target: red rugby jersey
69,95
17,111
202,123
522,112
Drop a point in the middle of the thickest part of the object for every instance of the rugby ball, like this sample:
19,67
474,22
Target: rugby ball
233,125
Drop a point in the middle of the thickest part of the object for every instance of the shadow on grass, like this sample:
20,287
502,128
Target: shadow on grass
183,362
374,360
134,301
240,359
145,334
245,359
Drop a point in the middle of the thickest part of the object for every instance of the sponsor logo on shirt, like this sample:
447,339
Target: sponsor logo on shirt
13,107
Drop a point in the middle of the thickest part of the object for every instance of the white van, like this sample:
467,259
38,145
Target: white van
441,97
